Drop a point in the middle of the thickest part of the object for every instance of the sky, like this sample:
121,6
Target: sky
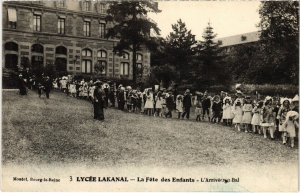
228,18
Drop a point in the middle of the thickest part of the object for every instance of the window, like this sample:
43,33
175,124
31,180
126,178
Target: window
61,26
102,8
86,66
101,66
124,68
87,52
139,57
60,3
101,54
12,18
36,23
70,68
125,55
243,38
86,28
102,30
86,6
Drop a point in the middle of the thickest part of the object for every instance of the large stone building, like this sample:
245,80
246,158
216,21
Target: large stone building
68,34
231,42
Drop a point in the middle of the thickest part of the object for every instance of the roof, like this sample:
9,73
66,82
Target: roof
239,39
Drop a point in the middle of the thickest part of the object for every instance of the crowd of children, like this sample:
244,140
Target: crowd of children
273,116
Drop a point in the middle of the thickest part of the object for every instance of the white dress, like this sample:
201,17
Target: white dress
179,106
247,113
256,116
238,115
149,102
158,104
227,111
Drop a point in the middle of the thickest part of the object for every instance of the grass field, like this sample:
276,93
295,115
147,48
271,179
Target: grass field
62,130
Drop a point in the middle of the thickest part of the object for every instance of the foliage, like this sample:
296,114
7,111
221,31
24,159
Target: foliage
180,47
211,70
132,26
280,39
164,73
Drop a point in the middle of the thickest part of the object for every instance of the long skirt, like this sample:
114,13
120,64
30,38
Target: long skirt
98,111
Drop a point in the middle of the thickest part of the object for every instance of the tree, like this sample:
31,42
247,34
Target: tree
212,70
180,48
280,40
132,26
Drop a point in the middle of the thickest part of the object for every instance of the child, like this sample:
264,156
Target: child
247,113
238,114
149,102
227,111
268,118
290,125
158,104
217,109
283,110
198,106
255,122
179,105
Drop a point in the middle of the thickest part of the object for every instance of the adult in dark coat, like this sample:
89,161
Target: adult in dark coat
47,86
22,85
121,99
187,103
98,102
169,104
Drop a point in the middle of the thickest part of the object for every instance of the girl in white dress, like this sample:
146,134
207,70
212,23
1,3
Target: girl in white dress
290,125
238,114
256,118
149,102
247,113
227,111
158,104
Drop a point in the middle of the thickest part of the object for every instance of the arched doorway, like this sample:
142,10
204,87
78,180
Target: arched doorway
11,55
37,58
61,59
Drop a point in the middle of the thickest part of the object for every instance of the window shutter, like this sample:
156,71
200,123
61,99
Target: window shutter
55,3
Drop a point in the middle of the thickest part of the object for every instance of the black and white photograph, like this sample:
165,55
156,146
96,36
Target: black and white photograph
150,96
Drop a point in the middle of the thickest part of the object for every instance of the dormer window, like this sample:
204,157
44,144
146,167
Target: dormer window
243,38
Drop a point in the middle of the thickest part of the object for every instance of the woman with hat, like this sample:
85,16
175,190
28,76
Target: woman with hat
281,116
98,102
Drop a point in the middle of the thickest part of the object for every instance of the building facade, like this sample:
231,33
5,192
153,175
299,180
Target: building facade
68,34
232,42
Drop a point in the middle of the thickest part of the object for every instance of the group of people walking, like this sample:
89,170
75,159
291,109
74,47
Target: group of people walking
268,116
276,117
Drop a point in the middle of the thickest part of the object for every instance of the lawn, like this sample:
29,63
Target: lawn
62,130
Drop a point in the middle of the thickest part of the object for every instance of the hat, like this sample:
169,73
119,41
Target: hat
296,98
248,97
239,92
20,75
128,87
227,98
282,100
292,114
187,90
97,83
268,98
